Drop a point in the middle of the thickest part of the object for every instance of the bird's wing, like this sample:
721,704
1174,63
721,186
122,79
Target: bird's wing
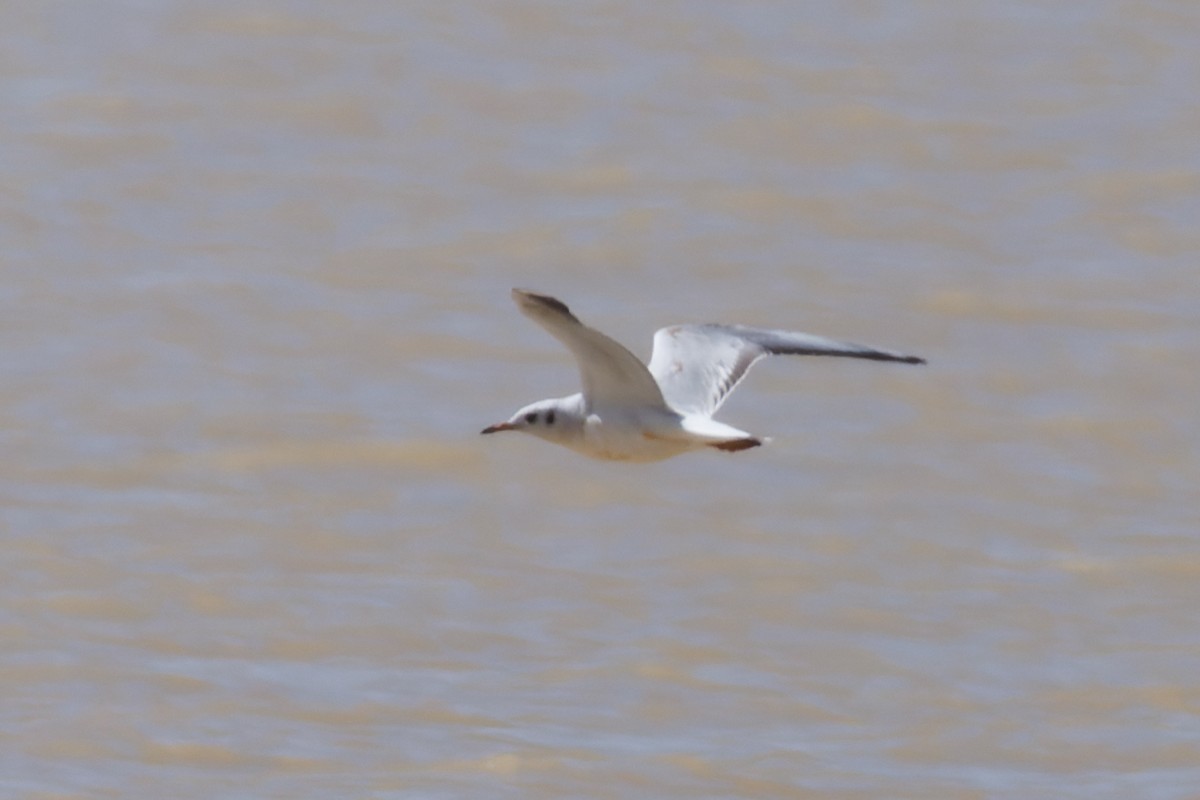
611,375
697,366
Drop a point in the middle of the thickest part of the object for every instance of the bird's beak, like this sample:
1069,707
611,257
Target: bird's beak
502,426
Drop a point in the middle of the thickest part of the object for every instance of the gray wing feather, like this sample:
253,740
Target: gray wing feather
611,375
697,366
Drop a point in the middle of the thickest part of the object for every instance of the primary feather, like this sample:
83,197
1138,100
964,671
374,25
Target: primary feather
697,366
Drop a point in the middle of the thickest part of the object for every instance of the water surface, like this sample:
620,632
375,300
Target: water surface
255,310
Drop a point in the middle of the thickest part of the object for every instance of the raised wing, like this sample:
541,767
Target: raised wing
611,375
697,366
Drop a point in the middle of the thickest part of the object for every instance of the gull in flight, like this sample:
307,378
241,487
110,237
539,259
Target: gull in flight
629,411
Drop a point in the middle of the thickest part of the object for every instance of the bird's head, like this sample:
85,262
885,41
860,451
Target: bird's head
557,420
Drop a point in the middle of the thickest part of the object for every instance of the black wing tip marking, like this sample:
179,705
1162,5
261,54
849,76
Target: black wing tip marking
904,359
542,300
864,353
870,355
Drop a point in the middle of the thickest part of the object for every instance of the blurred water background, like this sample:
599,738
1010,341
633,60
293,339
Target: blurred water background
254,312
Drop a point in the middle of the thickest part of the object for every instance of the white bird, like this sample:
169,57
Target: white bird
630,412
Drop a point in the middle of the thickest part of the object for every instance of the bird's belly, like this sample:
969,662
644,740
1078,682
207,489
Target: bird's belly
628,442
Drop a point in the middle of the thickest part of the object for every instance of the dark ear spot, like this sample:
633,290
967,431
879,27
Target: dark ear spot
550,417
531,417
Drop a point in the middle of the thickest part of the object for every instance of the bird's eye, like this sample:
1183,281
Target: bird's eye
531,417
550,417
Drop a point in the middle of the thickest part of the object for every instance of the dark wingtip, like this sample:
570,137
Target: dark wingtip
542,299
882,355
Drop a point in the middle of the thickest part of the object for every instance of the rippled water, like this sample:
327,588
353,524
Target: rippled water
255,310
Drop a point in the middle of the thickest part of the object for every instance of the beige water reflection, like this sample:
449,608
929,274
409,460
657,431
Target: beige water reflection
255,308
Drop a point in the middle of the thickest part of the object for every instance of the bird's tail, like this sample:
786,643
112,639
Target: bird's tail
711,433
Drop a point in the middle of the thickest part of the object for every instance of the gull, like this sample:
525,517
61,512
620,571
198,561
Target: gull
630,411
